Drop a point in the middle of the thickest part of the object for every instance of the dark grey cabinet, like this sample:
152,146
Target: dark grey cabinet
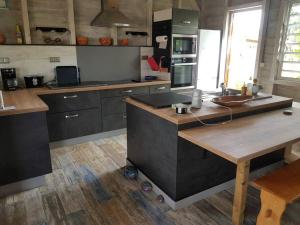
126,92
25,149
74,124
114,105
79,114
185,18
114,122
71,101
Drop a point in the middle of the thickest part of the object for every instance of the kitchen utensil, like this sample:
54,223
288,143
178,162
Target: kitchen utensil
181,108
82,40
233,101
105,41
34,81
2,39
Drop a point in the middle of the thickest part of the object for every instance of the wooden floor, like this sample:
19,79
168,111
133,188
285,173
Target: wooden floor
87,187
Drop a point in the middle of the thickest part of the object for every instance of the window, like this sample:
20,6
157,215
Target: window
289,58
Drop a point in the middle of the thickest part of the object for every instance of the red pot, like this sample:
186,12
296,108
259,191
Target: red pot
2,39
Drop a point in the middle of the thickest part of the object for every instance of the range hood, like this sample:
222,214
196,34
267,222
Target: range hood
111,16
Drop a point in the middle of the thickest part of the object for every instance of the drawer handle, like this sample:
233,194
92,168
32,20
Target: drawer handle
72,116
71,96
129,91
186,22
161,88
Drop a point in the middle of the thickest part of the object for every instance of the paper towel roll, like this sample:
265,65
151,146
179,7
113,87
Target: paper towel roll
163,41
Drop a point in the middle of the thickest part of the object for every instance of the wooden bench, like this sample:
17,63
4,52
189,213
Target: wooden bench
278,189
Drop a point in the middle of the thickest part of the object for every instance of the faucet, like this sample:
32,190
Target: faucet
224,90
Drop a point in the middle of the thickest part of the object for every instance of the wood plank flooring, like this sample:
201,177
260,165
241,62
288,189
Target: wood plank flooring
87,188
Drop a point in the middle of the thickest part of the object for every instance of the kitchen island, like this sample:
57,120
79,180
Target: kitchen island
182,171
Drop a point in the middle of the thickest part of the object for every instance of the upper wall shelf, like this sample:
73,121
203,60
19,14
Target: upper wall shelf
32,23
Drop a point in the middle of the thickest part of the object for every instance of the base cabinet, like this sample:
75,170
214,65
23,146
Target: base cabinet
114,122
84,113
24,151
74,124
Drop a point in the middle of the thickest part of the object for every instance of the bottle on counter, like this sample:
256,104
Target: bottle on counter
19,37
249,87
244,89
255,88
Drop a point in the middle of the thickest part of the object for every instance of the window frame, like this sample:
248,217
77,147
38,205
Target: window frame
282,43
225,39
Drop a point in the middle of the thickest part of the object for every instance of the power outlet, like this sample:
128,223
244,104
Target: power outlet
4,60
54,59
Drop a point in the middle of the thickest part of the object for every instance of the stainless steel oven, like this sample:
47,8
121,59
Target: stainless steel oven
184,45
183,72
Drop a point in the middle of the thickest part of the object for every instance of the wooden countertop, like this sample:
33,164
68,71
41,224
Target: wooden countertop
249,137
28,101
210,110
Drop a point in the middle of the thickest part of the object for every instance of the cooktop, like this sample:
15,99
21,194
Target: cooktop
88,84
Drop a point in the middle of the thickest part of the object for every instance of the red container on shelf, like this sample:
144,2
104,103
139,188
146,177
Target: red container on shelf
153,64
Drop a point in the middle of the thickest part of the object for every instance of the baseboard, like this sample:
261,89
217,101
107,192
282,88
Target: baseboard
207,193
80,140
21,186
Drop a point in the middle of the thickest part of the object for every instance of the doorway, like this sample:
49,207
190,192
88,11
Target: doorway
242,46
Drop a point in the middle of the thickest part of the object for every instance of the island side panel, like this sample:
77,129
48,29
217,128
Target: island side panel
199,169
24,151
152,147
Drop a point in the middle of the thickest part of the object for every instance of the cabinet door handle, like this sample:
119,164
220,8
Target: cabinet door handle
71,116
124,116
124,99
129,91
186,22
70,96
161,88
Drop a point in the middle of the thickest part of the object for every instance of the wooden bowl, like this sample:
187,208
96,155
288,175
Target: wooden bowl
82,40
105,41
231,101
124,42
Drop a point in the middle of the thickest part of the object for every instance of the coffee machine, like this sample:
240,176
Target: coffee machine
9,79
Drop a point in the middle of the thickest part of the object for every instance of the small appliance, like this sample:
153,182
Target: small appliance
183,72
9,79
181,109
197,99
184,45
34,81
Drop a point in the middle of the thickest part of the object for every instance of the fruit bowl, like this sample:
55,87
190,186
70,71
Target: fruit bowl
231,101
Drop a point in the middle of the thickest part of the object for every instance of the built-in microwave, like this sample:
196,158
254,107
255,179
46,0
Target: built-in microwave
183,72
184,45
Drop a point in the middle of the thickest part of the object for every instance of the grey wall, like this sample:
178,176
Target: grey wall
108,63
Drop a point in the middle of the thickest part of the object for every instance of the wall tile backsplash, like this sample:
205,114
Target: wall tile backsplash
34,60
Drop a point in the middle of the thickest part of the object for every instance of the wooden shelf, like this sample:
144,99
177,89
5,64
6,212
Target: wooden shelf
30,23
129,46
